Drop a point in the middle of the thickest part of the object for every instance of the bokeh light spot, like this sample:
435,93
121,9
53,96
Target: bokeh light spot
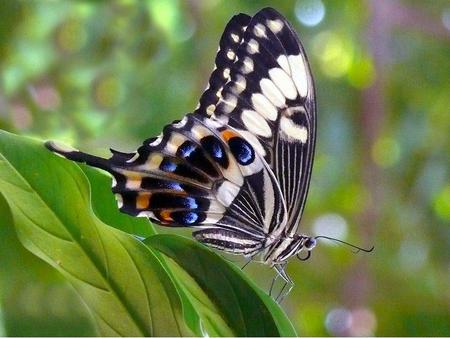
364,322
338,321
441,204
108,91
331,225
334,53
45,96
21,116
386,152
362,73
413,254
168,16
446,18
71,36
353,198
310,12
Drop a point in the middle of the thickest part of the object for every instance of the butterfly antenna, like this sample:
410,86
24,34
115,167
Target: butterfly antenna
346,243
78,156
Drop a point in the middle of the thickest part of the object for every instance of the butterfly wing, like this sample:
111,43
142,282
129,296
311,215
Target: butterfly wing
270,99
231,167
229,43
197,173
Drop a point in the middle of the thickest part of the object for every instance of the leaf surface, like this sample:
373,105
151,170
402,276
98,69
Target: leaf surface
168,285
124,284
247,309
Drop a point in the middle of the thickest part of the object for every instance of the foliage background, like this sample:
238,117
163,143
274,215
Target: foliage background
96,74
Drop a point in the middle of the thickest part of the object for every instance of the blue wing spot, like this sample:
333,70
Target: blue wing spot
215,149
186,149
168,166
242,150
191,203
188,218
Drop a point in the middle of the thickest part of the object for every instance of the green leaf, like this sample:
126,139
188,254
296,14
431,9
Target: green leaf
124,284
129,287
246,309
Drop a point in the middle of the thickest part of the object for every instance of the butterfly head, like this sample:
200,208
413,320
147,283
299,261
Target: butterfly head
307,244
290,246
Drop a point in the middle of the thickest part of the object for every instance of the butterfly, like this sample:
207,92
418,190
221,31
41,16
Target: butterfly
238,168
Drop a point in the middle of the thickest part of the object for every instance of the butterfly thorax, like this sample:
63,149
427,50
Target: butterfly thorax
287,246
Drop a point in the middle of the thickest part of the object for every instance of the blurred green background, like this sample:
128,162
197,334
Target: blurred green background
96,74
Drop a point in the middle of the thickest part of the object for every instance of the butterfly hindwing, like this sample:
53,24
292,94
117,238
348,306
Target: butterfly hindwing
197,173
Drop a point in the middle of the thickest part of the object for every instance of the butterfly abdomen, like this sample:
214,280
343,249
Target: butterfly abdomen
228,240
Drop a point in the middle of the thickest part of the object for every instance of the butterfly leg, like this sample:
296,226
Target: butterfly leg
288,283
247,263
272,284
281,297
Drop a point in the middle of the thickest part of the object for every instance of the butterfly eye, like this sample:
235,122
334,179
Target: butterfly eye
242,150
310,243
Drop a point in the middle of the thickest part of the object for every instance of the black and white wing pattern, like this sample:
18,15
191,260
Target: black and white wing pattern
238,167
230,41
268,95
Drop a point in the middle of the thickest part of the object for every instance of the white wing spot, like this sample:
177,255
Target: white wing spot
227,192
219,92
292,130
235,37
248,66
231,54
61,147
226,73
253,140
260,31
210,109
263,106
253,46
157,141
174,143
212,123
146,213
272,92
230,102
240,84
275,25
180,124
269,200
255,123
283,61
299,73
284,82
134,158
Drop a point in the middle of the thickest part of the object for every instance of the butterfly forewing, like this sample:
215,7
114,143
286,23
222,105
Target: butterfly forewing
270,99
226,56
